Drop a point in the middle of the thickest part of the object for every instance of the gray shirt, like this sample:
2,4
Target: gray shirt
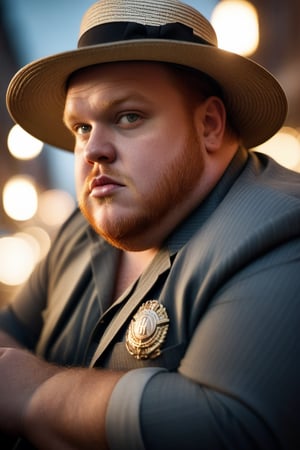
228,371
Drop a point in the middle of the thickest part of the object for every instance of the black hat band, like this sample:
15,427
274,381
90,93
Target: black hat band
124,31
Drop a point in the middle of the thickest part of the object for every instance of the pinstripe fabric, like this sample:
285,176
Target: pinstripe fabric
233,297
229,279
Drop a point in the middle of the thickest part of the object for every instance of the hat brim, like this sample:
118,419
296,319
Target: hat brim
254,99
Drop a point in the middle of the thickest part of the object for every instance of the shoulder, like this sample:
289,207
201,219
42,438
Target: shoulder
264,196
258,217
74,239
265,174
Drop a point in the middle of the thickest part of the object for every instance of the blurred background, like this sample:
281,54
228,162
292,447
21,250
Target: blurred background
36,182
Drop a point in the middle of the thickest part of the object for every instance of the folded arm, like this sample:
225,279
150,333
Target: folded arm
51,406
74,408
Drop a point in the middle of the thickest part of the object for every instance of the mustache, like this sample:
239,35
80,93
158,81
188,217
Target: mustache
105,176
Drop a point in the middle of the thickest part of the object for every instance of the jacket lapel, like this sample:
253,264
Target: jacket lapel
160,263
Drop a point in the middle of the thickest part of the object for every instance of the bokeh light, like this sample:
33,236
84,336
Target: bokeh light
20,198
22,145
284,147
236,25
41,237
17,260
55,206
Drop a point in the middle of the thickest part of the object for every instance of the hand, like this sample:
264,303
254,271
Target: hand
21,373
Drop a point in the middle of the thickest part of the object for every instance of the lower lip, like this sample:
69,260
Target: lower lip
105,190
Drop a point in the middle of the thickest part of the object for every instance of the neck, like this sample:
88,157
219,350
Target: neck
131,266
137,261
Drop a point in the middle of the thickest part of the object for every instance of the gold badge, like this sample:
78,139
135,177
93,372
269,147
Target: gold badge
147,330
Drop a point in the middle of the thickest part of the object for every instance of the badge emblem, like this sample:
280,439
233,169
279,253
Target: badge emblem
147,330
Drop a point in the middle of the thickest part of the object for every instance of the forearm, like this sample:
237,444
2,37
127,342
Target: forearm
68,410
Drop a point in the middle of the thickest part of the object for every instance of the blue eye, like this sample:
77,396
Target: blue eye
129,118
132,117
83,129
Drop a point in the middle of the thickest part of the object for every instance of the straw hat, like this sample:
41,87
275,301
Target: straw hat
148,30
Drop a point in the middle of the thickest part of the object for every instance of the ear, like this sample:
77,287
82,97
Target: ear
214,122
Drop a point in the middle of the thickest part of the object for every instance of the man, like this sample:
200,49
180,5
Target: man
166,313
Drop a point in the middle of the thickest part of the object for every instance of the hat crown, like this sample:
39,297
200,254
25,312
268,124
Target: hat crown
148,12
147,30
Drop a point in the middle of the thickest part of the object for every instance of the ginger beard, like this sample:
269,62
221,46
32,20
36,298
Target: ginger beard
171,186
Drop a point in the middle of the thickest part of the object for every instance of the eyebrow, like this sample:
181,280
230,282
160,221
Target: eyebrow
109,104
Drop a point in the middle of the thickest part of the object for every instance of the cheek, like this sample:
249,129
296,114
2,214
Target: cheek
148,163
162,160
159,150
81,171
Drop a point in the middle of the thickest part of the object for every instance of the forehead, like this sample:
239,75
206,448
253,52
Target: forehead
126,72
105,85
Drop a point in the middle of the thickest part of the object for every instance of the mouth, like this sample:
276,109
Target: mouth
103,186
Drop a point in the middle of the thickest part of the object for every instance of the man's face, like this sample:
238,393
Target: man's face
138,158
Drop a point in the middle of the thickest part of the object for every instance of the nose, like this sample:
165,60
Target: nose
100,148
